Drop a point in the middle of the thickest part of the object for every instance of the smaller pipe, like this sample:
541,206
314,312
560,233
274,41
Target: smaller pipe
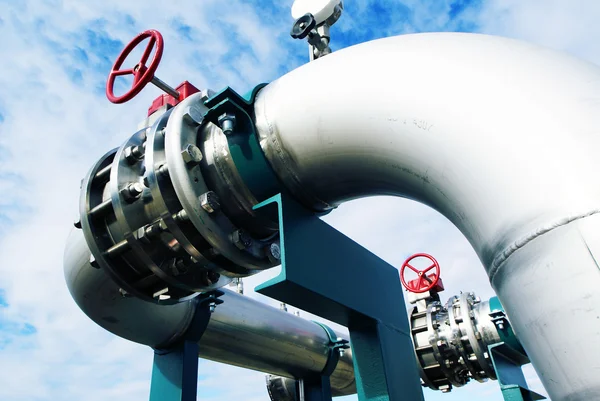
241,331
164,87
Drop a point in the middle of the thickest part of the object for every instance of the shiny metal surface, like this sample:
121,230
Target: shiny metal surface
451,341
156,225
249,334
100,298
189,184
241,332
281,388
222,175
497,135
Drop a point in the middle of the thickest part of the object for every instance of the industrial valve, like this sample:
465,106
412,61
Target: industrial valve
424,282
452,339
166,214
142,74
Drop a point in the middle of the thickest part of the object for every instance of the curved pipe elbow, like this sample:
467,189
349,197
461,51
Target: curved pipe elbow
241,332
108,306
497,135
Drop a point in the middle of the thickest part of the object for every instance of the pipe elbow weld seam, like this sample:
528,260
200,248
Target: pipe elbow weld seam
521,242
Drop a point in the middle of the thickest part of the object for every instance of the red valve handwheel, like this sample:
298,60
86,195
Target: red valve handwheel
424,282
142,75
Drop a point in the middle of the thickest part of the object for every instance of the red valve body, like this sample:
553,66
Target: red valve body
185,89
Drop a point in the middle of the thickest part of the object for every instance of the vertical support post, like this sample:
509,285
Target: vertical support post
175,369
329,275
507,363
175,373
314,389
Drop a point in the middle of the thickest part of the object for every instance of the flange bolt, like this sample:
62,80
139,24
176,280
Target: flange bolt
241,239
133,154
227,123
210,202
133,191
274,252
192,155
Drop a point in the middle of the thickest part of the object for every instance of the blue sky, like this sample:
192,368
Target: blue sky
55,122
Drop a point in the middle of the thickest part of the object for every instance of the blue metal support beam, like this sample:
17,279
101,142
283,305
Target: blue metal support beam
327,274
175,368
507,364
175,373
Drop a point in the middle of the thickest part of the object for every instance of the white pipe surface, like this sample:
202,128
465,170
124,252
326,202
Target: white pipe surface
499,136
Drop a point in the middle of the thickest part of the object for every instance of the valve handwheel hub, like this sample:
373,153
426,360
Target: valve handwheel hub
426,279
142,74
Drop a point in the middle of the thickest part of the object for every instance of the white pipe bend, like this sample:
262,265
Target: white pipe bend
499,136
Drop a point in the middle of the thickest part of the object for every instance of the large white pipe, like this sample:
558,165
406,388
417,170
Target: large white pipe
499,136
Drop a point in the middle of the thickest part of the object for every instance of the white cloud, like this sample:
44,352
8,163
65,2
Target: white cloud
56,127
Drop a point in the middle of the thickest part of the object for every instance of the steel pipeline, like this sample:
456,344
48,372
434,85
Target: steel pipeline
241,331
497,135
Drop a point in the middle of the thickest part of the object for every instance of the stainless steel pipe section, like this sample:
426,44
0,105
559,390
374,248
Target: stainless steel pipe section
499,136
241,331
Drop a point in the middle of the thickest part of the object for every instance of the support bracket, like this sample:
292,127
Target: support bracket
507,363
327,274
175,368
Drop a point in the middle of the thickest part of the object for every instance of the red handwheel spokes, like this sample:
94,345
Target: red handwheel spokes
425,280
142,74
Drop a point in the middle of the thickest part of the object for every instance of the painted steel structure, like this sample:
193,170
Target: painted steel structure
495,134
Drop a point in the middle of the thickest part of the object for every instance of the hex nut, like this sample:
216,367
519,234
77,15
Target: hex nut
227,122
210,202
133,191
241,239
192,155
193,116
207,94
133,154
